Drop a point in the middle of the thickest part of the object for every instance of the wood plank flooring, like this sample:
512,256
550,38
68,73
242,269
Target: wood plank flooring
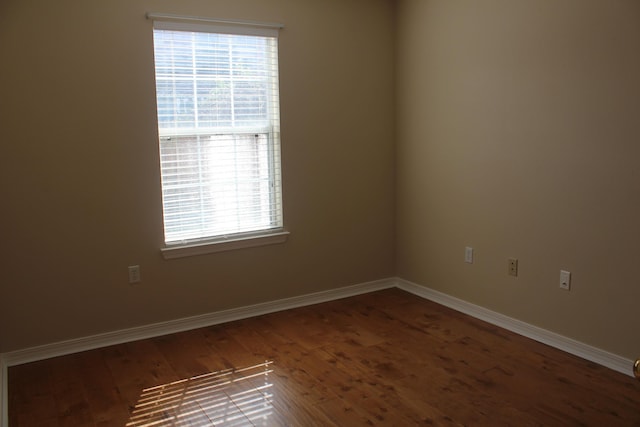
386,358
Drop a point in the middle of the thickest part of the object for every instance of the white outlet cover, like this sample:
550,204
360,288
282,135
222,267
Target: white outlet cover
468,255
134,274
565,280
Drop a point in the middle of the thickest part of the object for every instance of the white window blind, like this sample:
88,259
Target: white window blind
219,128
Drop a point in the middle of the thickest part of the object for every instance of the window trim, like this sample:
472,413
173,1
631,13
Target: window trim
222,244
186,248
167,17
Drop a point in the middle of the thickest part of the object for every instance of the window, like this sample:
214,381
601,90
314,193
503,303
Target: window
219,131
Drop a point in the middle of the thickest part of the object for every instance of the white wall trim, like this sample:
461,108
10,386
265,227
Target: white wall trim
593,354
4,395
179,325
225,244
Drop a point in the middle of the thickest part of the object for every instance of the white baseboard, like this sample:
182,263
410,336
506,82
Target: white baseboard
47,351
593,354
179,325
4,395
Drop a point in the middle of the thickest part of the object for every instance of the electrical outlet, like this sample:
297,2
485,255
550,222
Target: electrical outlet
134,274
565,280
468,255
512,265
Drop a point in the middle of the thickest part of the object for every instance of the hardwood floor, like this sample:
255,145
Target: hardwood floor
385,358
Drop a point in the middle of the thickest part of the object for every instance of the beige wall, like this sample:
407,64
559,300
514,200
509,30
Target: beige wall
519,135
79,174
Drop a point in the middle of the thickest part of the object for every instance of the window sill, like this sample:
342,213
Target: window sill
201,248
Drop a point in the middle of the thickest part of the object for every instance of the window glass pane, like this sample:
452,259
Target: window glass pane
214,103
251,103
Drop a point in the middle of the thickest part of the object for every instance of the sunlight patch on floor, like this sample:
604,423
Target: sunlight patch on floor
231,397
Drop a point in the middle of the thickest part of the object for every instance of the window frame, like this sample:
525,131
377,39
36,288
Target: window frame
236,240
